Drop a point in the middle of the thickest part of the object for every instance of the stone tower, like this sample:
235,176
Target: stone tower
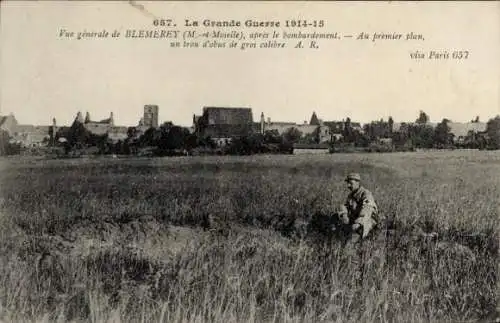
111,119
151,116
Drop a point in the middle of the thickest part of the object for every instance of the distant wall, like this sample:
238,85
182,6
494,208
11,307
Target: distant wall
305,151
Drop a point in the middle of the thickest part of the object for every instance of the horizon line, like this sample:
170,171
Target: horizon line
257,120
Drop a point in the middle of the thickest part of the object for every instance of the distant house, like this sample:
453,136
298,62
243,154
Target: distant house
118,133
103,127
303,149
99,128
32,136
26,135
223,123
279,126
314,127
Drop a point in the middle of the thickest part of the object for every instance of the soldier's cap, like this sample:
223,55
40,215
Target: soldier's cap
354,176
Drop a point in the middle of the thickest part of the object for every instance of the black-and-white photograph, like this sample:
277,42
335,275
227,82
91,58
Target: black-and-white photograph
264,161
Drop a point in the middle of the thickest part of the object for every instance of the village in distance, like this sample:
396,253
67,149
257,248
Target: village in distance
233,131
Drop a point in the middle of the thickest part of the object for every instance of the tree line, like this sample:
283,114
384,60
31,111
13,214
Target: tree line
421,134
170,139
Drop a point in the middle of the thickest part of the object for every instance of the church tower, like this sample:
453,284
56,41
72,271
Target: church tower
151,115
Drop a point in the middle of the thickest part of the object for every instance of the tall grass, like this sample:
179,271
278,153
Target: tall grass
217,240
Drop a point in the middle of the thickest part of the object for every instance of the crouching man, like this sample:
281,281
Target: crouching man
358,217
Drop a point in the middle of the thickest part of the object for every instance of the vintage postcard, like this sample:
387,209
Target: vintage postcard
260,161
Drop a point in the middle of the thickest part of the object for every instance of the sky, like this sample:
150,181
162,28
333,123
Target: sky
43,75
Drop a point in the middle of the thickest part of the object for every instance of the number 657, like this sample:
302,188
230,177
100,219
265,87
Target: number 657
460,54
162,22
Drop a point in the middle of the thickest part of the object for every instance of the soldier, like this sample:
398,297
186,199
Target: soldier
359,215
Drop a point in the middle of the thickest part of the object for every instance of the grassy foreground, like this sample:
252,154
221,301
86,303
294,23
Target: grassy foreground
220,239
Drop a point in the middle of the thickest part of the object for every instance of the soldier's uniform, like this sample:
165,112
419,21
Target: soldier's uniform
362,209
359,222
359,208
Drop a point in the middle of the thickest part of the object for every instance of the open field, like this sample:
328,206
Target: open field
212,239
